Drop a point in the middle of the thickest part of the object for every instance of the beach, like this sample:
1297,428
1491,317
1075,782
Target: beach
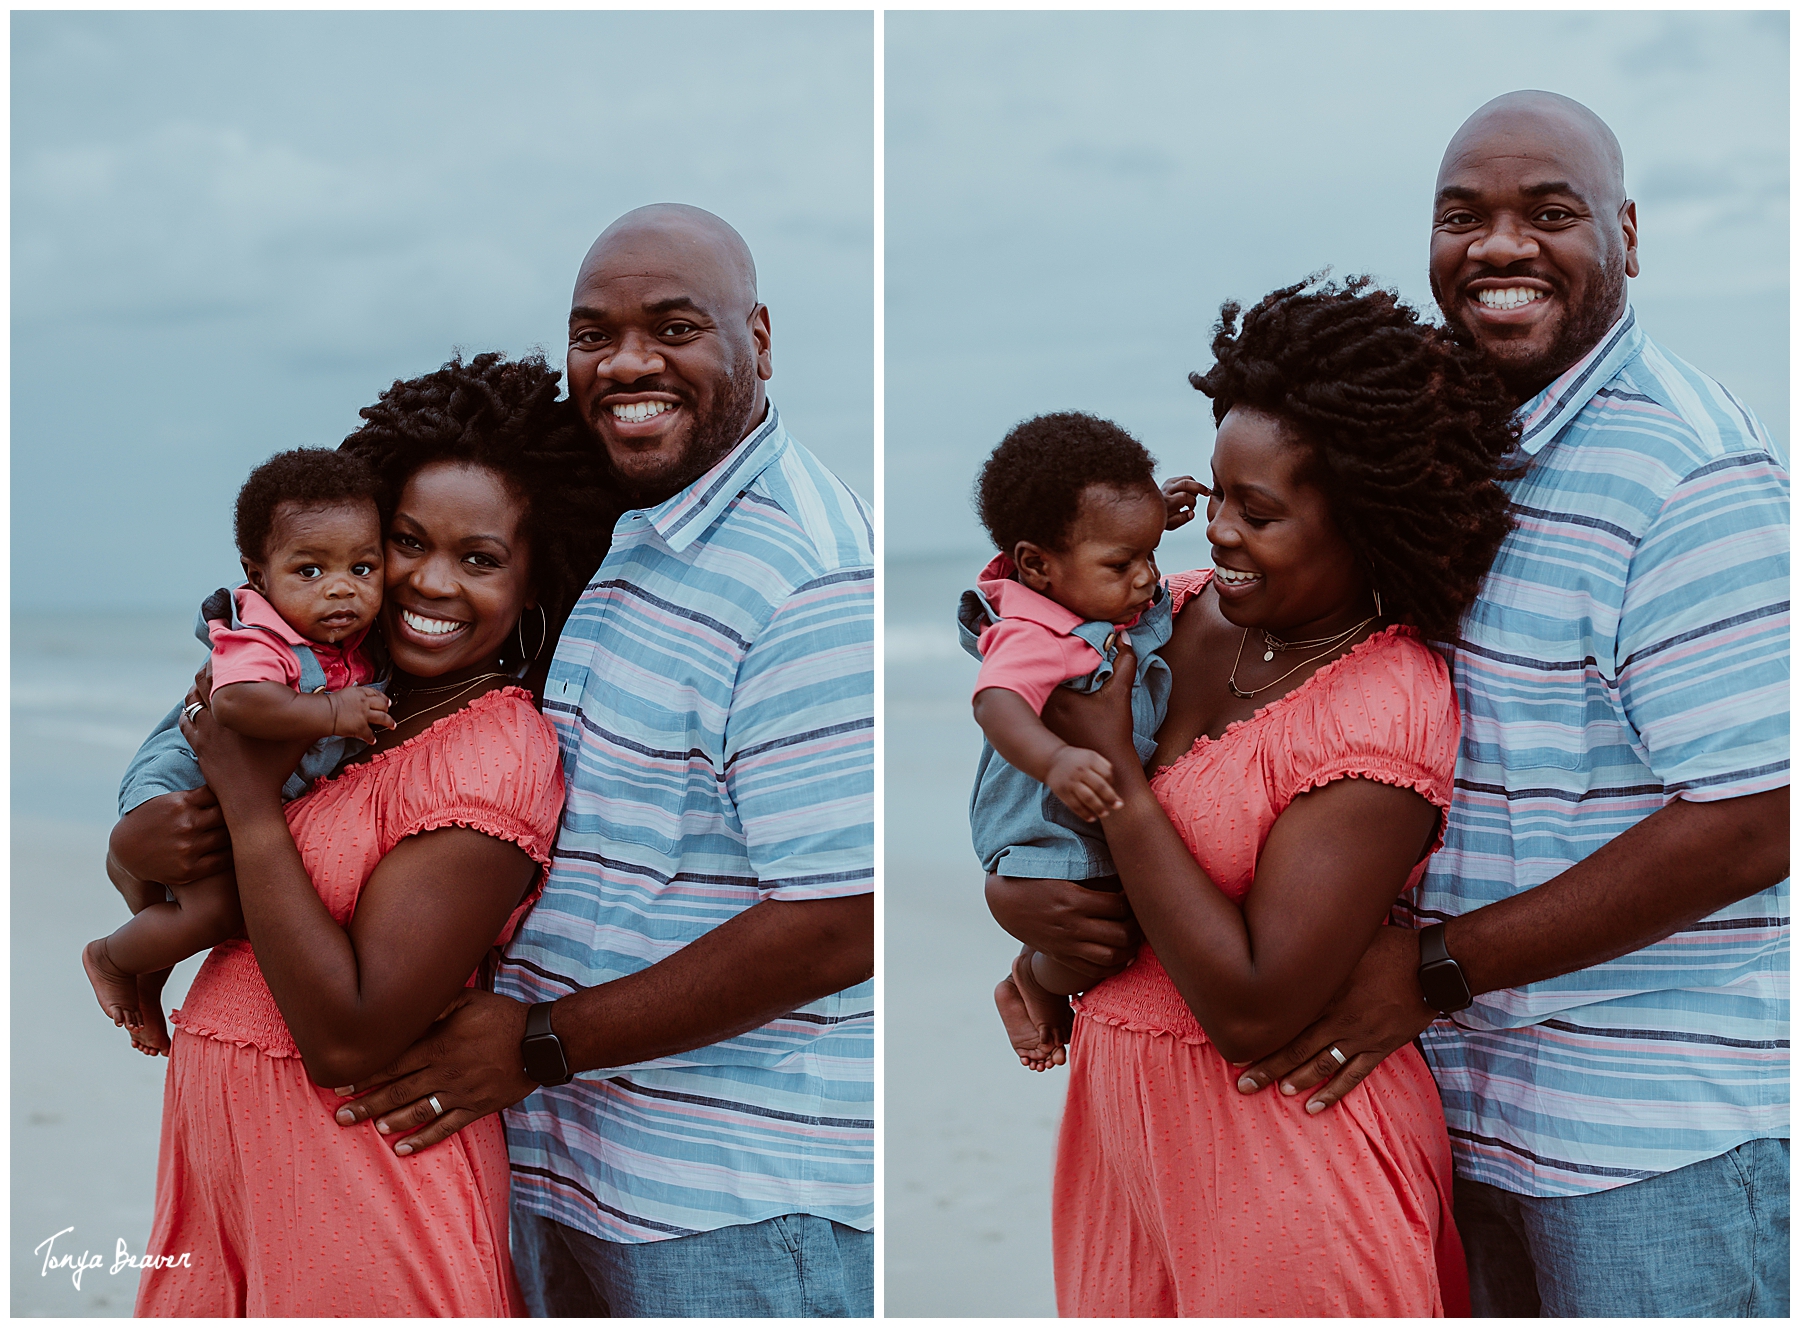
86,1108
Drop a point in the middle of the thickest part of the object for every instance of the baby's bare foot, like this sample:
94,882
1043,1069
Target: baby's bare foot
152,1035
114,988
1036,1045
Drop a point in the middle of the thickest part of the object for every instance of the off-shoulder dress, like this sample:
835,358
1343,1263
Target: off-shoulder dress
1174,1193
280,1210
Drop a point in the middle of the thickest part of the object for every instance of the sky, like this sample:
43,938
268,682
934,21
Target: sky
231,231
1070,196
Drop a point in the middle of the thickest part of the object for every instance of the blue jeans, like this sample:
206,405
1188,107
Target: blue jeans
1707,1241
790,1267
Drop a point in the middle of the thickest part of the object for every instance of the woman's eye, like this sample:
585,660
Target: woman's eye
403,541
481,560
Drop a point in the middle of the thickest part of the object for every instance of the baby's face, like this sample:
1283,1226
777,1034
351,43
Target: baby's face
1107,572
322,568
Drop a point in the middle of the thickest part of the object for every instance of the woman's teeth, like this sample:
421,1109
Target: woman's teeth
429,626
1513,297
639,411
1231,577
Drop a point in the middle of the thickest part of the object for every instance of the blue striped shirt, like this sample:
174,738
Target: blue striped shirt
713,693
1629,647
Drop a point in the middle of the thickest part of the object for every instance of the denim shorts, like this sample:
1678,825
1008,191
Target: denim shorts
792,1267
1709,1240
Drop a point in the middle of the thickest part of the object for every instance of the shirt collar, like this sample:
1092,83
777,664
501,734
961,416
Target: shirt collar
1546,415
689,514
254,610
1015,599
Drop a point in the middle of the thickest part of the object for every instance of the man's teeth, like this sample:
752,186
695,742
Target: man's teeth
639,411
428,626
1232,577
1513,297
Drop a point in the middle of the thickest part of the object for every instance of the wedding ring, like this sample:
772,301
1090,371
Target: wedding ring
1339,1057
193,708
436,1106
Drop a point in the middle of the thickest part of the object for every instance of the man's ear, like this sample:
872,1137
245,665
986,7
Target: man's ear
1628,224
253,573
760,338
1034,566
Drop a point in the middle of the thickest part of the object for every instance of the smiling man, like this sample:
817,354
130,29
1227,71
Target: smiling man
1606,923
690,1000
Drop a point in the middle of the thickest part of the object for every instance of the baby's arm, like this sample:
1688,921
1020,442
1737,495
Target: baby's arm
1080,777
276,711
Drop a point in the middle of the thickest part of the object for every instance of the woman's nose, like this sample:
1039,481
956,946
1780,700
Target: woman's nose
434,576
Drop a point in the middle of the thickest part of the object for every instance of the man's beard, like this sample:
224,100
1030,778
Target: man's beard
713,436
1580,332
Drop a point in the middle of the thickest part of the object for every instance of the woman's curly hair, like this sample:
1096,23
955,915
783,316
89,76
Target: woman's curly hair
503,416
1408,433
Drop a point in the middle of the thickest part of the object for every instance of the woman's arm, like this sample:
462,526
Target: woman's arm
355,998
1331,867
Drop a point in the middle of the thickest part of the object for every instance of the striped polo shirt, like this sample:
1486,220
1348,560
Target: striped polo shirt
713,693
1628,647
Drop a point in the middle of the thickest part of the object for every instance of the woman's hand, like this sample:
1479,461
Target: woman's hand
1089,931
243,772
1100,722
172,839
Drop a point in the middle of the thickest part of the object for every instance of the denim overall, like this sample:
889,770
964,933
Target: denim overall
1019,826
166,764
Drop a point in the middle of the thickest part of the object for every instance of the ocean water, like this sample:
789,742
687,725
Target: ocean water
85,1107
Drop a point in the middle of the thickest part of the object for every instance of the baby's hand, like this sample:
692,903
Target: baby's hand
356,712
1181,497
1083,780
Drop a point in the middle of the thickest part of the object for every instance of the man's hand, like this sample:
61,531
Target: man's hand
1181,497
1378,1010
1083,780
1088,931
470,1059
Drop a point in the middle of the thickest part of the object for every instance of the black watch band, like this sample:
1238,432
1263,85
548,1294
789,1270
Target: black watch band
1440,977
544,1059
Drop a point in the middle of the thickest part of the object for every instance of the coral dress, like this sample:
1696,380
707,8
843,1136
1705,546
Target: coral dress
1177,1195
281,1210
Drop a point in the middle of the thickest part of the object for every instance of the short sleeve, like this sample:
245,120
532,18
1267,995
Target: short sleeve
1388,714
496,769
1031,659
1702,655
800,742
250,654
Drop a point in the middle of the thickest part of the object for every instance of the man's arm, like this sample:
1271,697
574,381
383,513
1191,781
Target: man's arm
1674,867
772,958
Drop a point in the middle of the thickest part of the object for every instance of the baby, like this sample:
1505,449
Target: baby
288,661
1072,503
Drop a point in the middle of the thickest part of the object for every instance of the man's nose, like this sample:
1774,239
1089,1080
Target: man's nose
1505,242
633,357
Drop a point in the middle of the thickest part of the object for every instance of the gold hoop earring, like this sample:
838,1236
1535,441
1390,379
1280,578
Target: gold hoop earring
1372,591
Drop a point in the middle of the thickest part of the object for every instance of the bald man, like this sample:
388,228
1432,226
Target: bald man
701,953
1599,963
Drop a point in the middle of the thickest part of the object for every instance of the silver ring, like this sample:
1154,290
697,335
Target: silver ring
1339,1057
436,1106
193,708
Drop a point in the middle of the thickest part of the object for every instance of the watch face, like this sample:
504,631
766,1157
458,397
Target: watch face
544,1060
1445,988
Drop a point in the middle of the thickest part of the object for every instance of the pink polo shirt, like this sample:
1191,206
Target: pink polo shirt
1031,649
247,654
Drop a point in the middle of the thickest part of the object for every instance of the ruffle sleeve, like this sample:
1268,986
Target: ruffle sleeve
498,772
1387,713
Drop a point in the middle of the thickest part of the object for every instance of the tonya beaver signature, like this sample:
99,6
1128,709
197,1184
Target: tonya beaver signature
77,1264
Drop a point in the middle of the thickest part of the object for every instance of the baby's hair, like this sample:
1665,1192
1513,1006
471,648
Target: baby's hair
1031,487
1407,430
306,477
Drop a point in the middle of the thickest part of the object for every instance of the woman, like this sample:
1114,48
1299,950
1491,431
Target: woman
1296,790
373,899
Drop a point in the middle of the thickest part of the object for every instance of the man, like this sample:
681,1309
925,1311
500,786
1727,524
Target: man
1606,924
702,951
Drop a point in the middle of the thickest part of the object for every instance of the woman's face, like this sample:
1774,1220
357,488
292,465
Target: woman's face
458,571
1282,563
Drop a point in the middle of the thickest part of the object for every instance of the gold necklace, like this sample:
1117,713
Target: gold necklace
467,688
1336,641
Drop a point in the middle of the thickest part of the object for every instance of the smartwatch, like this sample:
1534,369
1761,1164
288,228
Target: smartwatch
1440,977
544,1059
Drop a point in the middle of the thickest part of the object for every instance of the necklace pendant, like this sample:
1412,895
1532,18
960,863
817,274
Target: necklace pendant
1239,692
1268,655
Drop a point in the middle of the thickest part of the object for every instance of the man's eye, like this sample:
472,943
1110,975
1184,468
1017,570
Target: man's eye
1555,214
677,329
586,337
1458,218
